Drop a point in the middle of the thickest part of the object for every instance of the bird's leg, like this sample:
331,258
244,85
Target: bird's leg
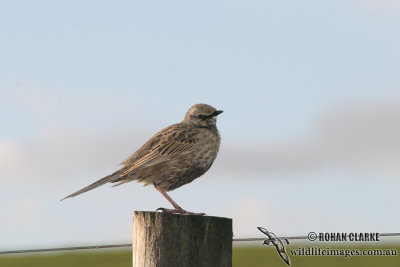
177,209
170,200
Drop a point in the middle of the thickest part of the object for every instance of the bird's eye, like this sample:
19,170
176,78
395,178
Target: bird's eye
201,117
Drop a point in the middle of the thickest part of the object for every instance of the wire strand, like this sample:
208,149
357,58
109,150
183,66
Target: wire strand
130,245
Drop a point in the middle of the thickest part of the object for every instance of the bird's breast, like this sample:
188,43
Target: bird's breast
206,150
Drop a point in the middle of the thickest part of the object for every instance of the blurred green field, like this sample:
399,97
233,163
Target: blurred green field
267,256
256,256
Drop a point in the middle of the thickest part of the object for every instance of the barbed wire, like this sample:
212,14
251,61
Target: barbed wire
299,237
63,249
130,245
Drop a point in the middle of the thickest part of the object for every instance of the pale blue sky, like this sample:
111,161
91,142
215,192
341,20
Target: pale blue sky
310,90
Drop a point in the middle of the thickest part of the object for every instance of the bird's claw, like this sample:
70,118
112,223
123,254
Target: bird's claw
179,211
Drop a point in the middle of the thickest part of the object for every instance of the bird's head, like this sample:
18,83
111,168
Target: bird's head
202,115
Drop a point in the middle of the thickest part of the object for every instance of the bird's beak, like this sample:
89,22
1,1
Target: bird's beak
216,113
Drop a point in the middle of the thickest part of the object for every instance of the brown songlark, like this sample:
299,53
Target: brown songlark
173,157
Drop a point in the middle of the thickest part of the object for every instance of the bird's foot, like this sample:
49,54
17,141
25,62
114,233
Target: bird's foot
179,211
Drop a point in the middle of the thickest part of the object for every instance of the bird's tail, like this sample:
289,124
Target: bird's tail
100,182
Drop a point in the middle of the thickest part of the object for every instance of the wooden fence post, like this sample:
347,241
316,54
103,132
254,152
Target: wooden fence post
162,239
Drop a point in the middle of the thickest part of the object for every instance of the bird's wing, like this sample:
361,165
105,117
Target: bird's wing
159,154
150,144
163,147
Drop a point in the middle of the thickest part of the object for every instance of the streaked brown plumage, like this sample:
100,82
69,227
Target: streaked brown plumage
173,157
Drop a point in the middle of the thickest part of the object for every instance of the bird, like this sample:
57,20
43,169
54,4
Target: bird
173,157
